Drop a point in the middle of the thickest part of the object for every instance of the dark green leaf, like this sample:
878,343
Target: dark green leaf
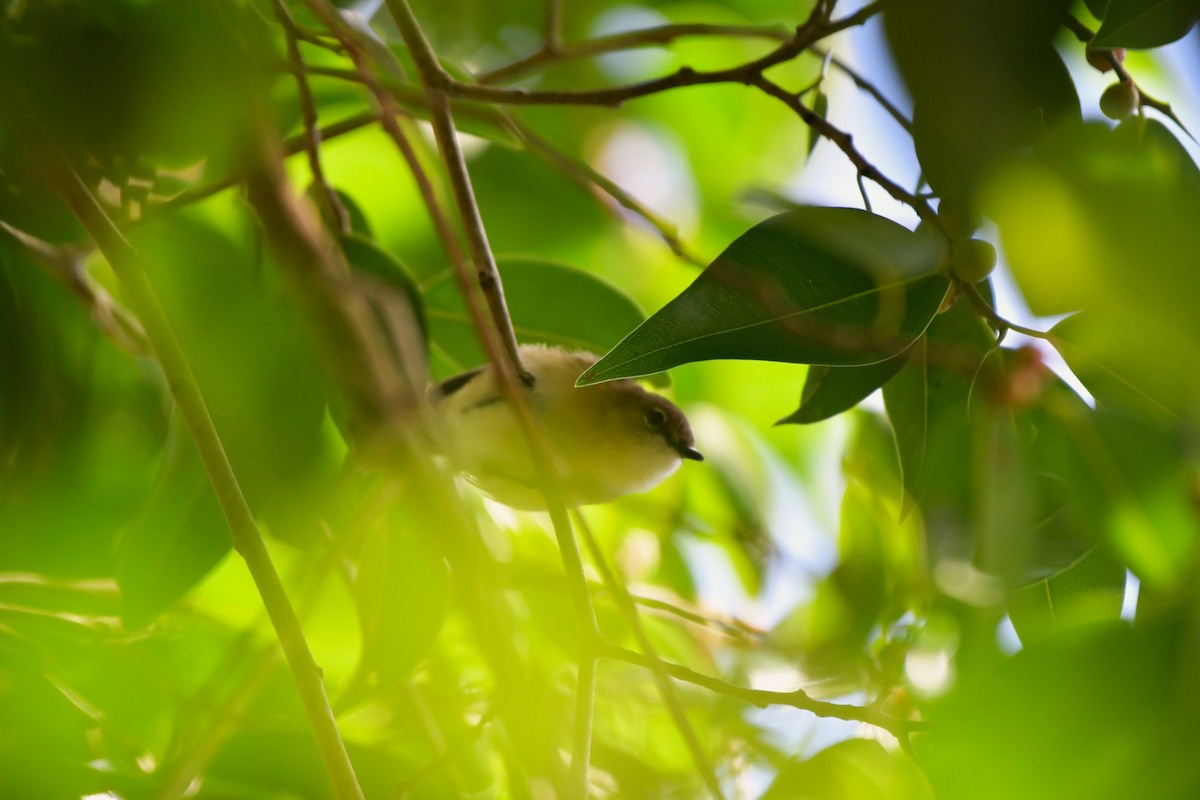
828,391
985,81
550,303
812,286
1093,588
1097,7
1146,23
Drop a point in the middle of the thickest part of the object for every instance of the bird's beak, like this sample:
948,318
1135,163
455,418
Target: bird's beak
689,452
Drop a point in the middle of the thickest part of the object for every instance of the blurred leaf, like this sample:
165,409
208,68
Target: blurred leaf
550,303
359,226
982,745
852,770
1090,590
1146,23
1097,7
828,391
1076,215
817,286
179,536
985,81
403,594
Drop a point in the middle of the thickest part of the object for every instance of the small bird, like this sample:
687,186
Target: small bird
612,438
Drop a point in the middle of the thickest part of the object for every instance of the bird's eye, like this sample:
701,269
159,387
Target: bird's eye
655,419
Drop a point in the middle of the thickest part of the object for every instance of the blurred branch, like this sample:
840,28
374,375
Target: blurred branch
666,689
762,698
65,263
289,147
554,24
308,113
247,538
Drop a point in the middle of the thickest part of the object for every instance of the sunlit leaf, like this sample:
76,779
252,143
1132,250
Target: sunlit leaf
815,286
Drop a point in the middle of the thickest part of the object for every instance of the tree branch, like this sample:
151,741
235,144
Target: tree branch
762,698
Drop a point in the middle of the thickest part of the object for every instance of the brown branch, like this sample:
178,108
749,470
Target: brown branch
868,87
629,40
762,698
308,114
845,143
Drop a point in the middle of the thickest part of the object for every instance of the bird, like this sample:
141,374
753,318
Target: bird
612,439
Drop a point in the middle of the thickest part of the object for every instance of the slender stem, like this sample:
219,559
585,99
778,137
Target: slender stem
585,708
987,312
554,24
65,264
308,113
762,698
868,87
247,539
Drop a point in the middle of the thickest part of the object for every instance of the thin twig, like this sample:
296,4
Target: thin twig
629,40
248,541
868,87
66,264
289,147
308,114
986,310
554,24
812,31
797,698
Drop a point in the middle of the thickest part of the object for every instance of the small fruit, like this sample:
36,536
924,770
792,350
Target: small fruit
973,260
1099,57
1120,100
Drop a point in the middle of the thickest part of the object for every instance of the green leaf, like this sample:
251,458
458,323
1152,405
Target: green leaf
1091,589
812,286
856,769
1098,8
549,303
1146,23
985,81
828,391
179,536
927,403
403,594
1073,219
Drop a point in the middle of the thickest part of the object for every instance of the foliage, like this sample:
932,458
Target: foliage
231,217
